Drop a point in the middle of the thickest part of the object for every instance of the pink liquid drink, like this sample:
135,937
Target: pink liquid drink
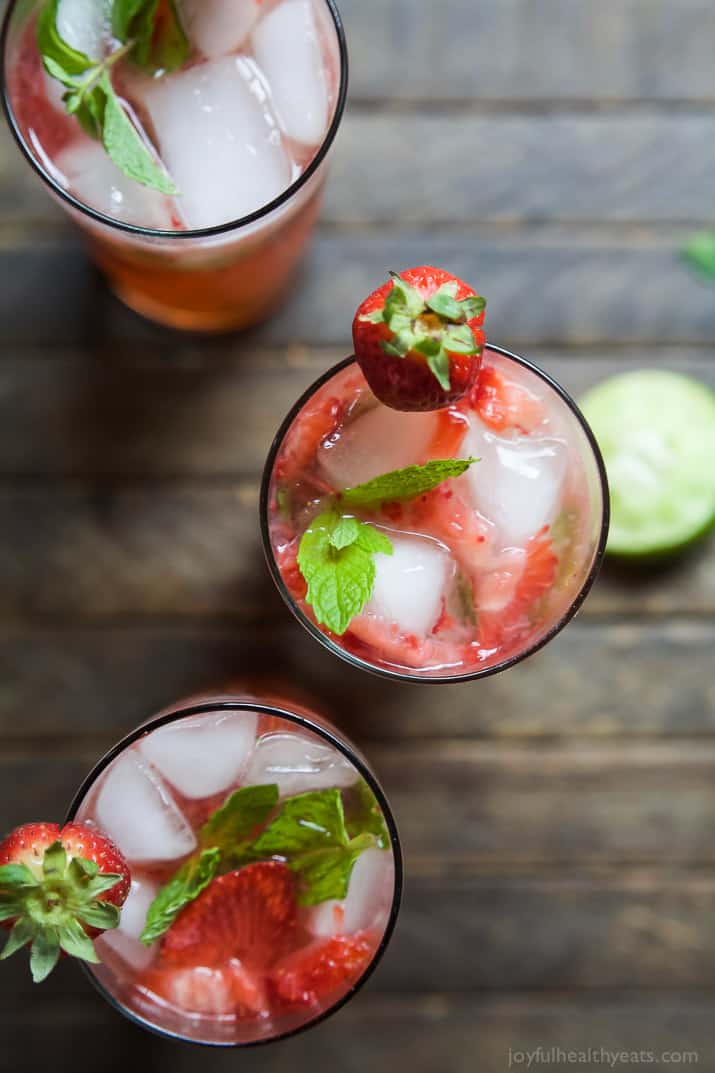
238,127
293,835
479,571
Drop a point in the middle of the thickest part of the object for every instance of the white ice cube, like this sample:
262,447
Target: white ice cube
85,25
217,27
219,139
517,483
124,940
368,900
298,763
135,808
378,441
287,47
203,755
93,178
410,583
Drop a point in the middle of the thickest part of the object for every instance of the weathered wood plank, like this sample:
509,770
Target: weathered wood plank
627,166
518,50
90,412
482,808
379,1031
186,550
593,679
578,286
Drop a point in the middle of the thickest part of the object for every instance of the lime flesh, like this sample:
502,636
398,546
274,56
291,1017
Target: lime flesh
656,430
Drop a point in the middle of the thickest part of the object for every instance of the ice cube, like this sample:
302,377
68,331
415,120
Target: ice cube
203,755
297,763
368,900
85,25
378,441
124,940
94,179
217,27
218,138
287,47
135,808
517,482
410,583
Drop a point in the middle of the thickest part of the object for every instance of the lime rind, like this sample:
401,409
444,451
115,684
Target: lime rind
656,431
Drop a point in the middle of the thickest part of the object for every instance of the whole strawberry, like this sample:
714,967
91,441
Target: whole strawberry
58,888
418,339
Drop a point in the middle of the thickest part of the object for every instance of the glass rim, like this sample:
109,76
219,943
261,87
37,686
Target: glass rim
197,233
337,742
406,676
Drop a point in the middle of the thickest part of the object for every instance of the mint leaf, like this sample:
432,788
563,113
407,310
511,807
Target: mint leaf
158,43
363,814
699,250
54,48
340,578
345,533
123,142
242,812
405,483
191,879
310,834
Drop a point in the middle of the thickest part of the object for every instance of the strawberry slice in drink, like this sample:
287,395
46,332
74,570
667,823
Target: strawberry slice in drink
316,972
505,627
504,404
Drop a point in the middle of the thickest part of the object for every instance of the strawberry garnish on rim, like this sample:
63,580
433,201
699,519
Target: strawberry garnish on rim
418,339
316,971
59,887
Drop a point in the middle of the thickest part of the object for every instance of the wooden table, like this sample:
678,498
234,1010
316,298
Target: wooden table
559,820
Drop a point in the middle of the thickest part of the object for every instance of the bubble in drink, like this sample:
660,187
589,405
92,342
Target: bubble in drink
517,483
287,48
376,442
124,940
136,809
298,764
218,27
203,755
368,901
411,584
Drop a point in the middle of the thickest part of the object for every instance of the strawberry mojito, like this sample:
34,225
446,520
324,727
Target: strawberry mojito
264,871
187,138
433,508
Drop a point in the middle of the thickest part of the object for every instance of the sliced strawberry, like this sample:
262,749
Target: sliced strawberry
58,889
286,557
317,971
452,426
379,641
214,991
503,404
249,914
509,625
418,339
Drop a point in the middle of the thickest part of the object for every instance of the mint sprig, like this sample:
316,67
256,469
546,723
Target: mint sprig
336,555
90,97
158,44
312,833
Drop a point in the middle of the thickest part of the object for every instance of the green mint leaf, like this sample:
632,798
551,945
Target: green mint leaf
44,955
403,484
54,48
345,533
123,14
340,579
74,941
363,814
160,44
54,861
310,834
460,340
122,141
439,364
22,933
444,303
242,812
699,250
15,876
472,307
191,879
102,915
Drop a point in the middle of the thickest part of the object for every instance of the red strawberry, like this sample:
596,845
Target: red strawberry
502,627
249,914
418,339
316,971
224,989
503,404
59,887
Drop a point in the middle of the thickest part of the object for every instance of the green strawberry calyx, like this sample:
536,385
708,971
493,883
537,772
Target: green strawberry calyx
434,327
49,906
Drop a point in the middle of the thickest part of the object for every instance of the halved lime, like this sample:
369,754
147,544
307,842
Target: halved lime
656,430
